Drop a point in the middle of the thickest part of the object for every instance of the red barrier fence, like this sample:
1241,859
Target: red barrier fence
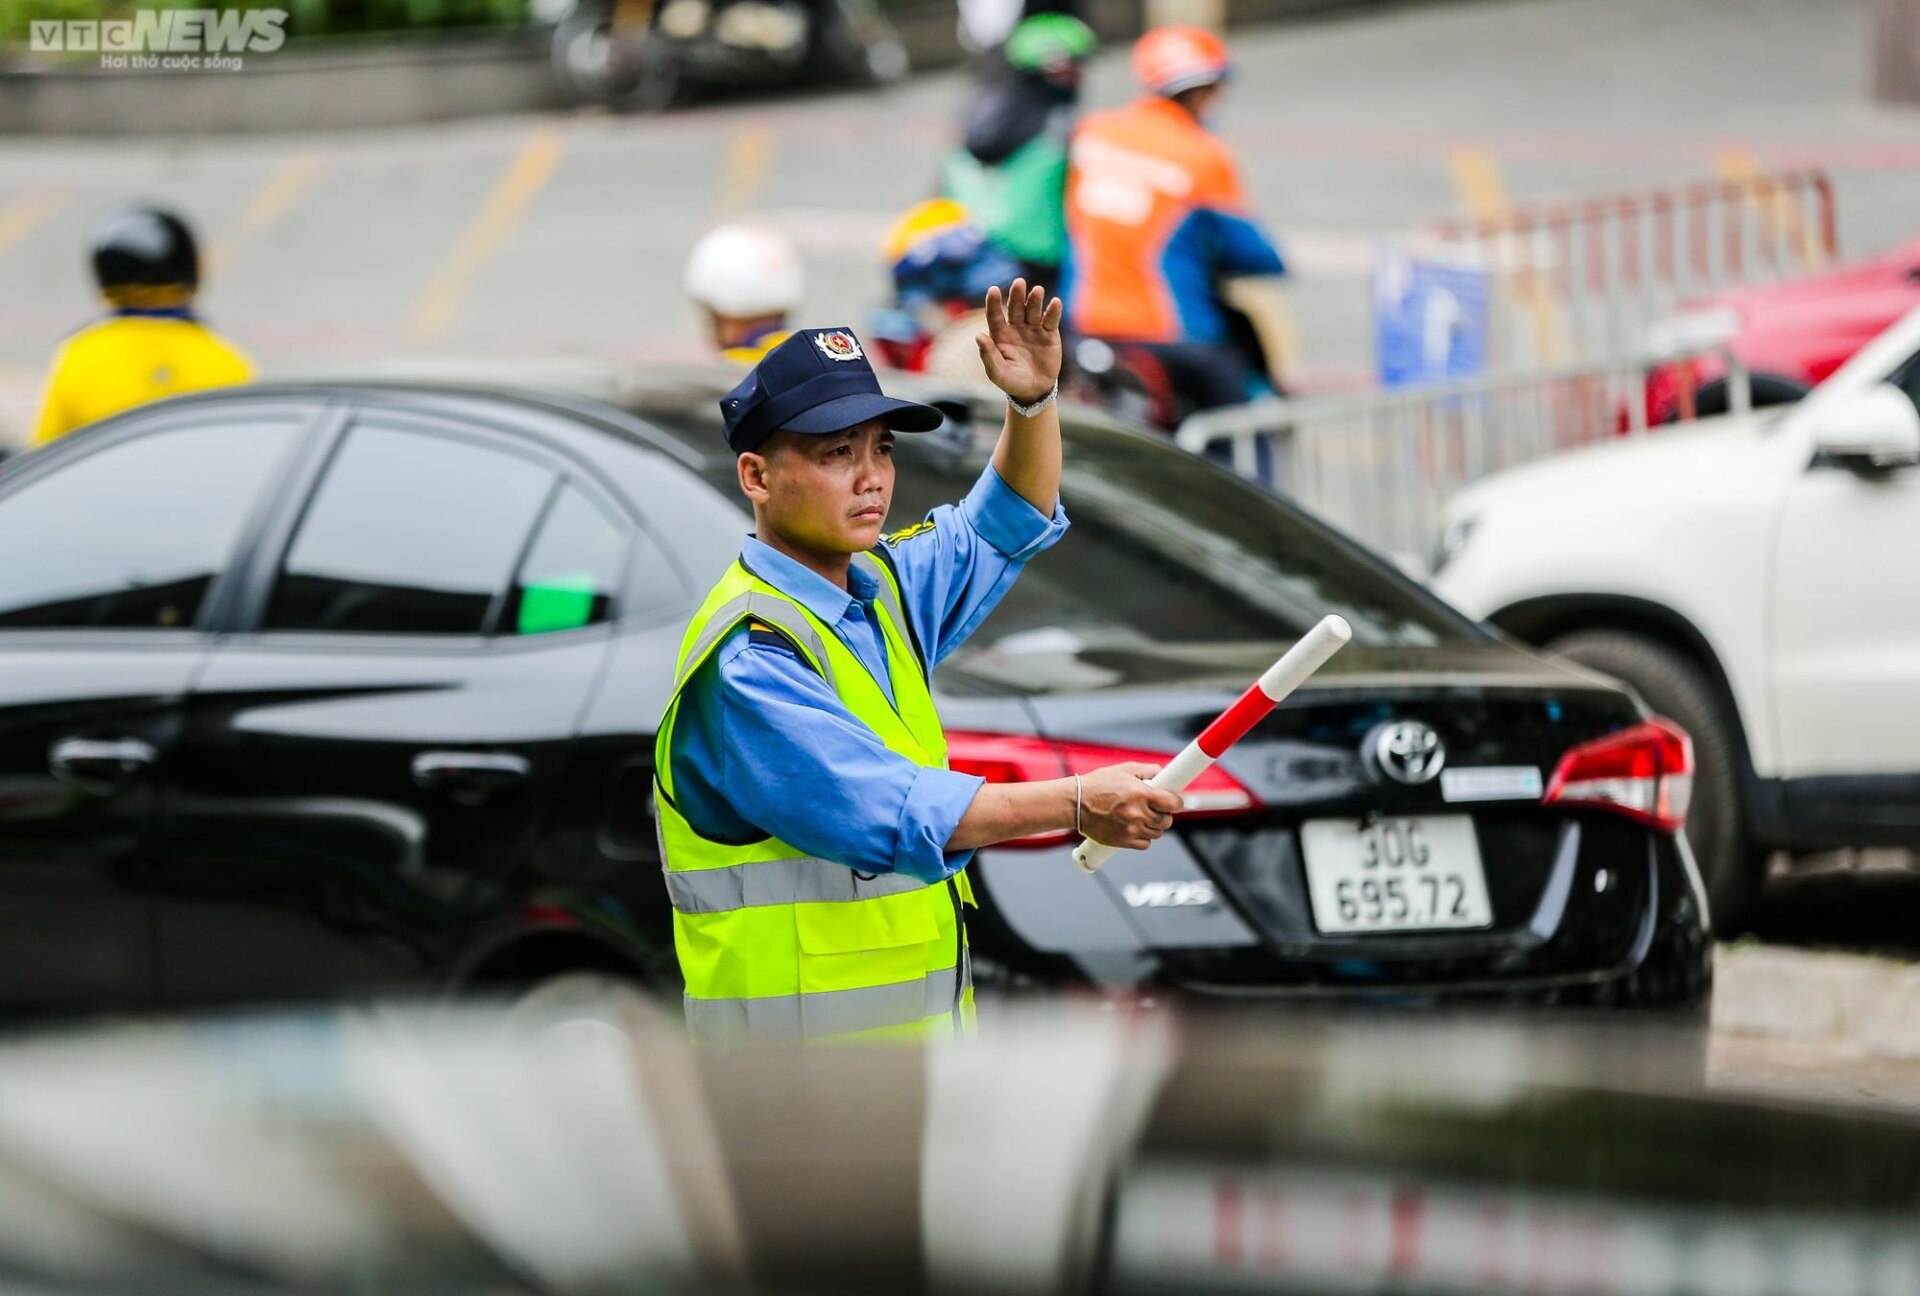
1584,279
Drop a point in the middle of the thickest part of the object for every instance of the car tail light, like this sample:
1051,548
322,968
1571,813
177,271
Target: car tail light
1009,758
1644,773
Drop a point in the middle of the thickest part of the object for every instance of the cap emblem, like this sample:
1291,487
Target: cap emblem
838,345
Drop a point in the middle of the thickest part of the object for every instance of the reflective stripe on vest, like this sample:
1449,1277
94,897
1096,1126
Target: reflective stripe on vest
771,940
802,880
791,621
831,1012
777,612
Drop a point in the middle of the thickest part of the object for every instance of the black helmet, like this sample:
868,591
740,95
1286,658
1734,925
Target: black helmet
138,249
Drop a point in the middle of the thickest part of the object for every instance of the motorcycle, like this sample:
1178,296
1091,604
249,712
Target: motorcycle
1133,382
1125,379
644,55
941,262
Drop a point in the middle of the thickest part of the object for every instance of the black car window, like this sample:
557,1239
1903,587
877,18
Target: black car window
409,532
1168,548
572,571
134,534
1165,548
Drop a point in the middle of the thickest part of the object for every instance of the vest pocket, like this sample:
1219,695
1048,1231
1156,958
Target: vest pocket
863,924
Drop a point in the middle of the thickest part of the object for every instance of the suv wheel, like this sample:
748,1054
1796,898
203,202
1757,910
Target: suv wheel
1716,826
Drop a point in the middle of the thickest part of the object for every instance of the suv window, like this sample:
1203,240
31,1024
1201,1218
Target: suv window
409,532
572,571
134,534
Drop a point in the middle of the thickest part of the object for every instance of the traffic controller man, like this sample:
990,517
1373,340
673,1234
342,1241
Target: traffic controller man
815,842
151,344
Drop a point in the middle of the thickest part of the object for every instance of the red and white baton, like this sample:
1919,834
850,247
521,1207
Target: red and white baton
1231,725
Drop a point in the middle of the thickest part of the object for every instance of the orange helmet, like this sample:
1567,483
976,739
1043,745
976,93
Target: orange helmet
1168,60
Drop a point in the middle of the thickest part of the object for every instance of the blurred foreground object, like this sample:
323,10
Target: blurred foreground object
150,345
1068,1149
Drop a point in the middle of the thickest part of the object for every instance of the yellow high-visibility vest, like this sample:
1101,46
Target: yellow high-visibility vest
776,943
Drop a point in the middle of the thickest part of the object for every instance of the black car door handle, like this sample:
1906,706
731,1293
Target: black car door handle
470,777
100,765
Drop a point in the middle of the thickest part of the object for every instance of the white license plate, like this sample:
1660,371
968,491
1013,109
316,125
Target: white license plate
1395,874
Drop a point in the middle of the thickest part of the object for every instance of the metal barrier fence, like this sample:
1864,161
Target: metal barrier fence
1585,279
1383,466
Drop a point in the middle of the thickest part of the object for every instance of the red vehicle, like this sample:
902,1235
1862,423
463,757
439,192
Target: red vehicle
1790,335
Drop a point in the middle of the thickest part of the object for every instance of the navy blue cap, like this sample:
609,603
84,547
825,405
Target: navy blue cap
817,381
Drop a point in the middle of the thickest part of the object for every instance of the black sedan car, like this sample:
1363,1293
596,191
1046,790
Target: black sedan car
326,689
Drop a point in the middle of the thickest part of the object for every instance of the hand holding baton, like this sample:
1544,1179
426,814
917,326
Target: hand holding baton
1231,725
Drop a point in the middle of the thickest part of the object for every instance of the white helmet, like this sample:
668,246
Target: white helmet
741,271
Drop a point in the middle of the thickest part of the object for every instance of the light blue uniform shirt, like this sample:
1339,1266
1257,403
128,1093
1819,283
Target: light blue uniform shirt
763,746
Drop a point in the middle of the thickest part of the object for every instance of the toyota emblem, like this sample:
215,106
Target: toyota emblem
1407,751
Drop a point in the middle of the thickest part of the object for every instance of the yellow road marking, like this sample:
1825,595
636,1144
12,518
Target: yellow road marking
1476,181
22,216
1782,212
749,152
276,196
529,172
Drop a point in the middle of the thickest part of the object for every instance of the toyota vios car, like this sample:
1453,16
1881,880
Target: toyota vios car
320,690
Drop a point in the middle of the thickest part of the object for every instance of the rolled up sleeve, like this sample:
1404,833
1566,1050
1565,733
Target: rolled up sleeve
1007,520
934,806
791,760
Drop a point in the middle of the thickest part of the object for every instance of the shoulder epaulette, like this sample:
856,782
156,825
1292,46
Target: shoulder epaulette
908,533
760,632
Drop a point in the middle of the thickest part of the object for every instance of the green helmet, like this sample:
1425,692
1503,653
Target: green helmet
1047,40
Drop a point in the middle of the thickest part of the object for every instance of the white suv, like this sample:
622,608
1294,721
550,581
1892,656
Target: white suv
1755,578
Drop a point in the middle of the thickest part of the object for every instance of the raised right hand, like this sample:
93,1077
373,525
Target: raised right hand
1118,807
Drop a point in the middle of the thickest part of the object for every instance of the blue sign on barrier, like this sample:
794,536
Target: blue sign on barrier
1430,319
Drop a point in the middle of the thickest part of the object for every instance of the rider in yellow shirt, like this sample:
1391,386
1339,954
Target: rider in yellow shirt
149,345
